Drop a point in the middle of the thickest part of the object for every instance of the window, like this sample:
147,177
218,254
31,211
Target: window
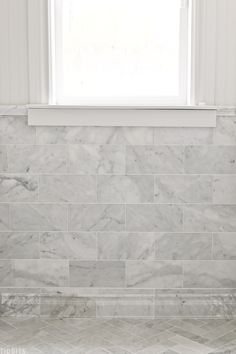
119,52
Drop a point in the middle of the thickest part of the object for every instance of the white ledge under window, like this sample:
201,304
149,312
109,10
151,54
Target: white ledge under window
161,116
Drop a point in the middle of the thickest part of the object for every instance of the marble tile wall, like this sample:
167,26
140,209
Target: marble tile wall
108,221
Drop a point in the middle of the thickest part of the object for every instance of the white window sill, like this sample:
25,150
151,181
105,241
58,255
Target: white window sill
160,116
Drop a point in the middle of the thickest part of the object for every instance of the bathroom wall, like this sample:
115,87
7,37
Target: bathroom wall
105,221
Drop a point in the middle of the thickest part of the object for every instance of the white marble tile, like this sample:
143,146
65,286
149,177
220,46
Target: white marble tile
96,217
43,272
3,159
183,246
154,274
155,217
210,159
20,305
183,189
19,245
154,159
15,130
96,159
225,132
37,159
200,218
18,188
224,245
224,189
68,188
13,110
114,245
38,217
6,273
4,217
68,245
125,189
98,274
183,136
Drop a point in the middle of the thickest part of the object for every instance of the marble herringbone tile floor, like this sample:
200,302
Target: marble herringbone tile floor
116,336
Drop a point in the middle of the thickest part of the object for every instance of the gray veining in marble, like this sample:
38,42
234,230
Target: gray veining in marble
37,159
224,245
96,217
4,217
154,217
3,159
114,245
20,305
6,273
224,189
15,130
15,245
183,136
225,132
18,188
183,246
96,159
183,189
97,274
38,217
68,245
125,189
68,188
154,159
154,274
210,159
198,218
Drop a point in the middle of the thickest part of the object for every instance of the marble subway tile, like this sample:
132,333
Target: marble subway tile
37,159
225,132
3,159
18,188
224,189
183,189
125,189
19,305
97,274
95,135
19,245
210,159
123,245
96,217
154,274
68,188
183,136
68,245
155,217
183,246
154,159
200,218
6,273
96,159
15,130
38,217
41,273
224,245
4,217
209,274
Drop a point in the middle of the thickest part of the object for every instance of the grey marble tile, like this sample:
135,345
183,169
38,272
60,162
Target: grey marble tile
154,274
19,245
19,305
210,159
68,245
41,272
225,132
38,217
68,188
4,217
209,274
96,159
183,246
183,189
154,159
114,245
155,217
183,136
96,217
224,245
97,274
6,273
37,159
18,188
15,130
95,135
224,189
198,218
125,189
3,159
